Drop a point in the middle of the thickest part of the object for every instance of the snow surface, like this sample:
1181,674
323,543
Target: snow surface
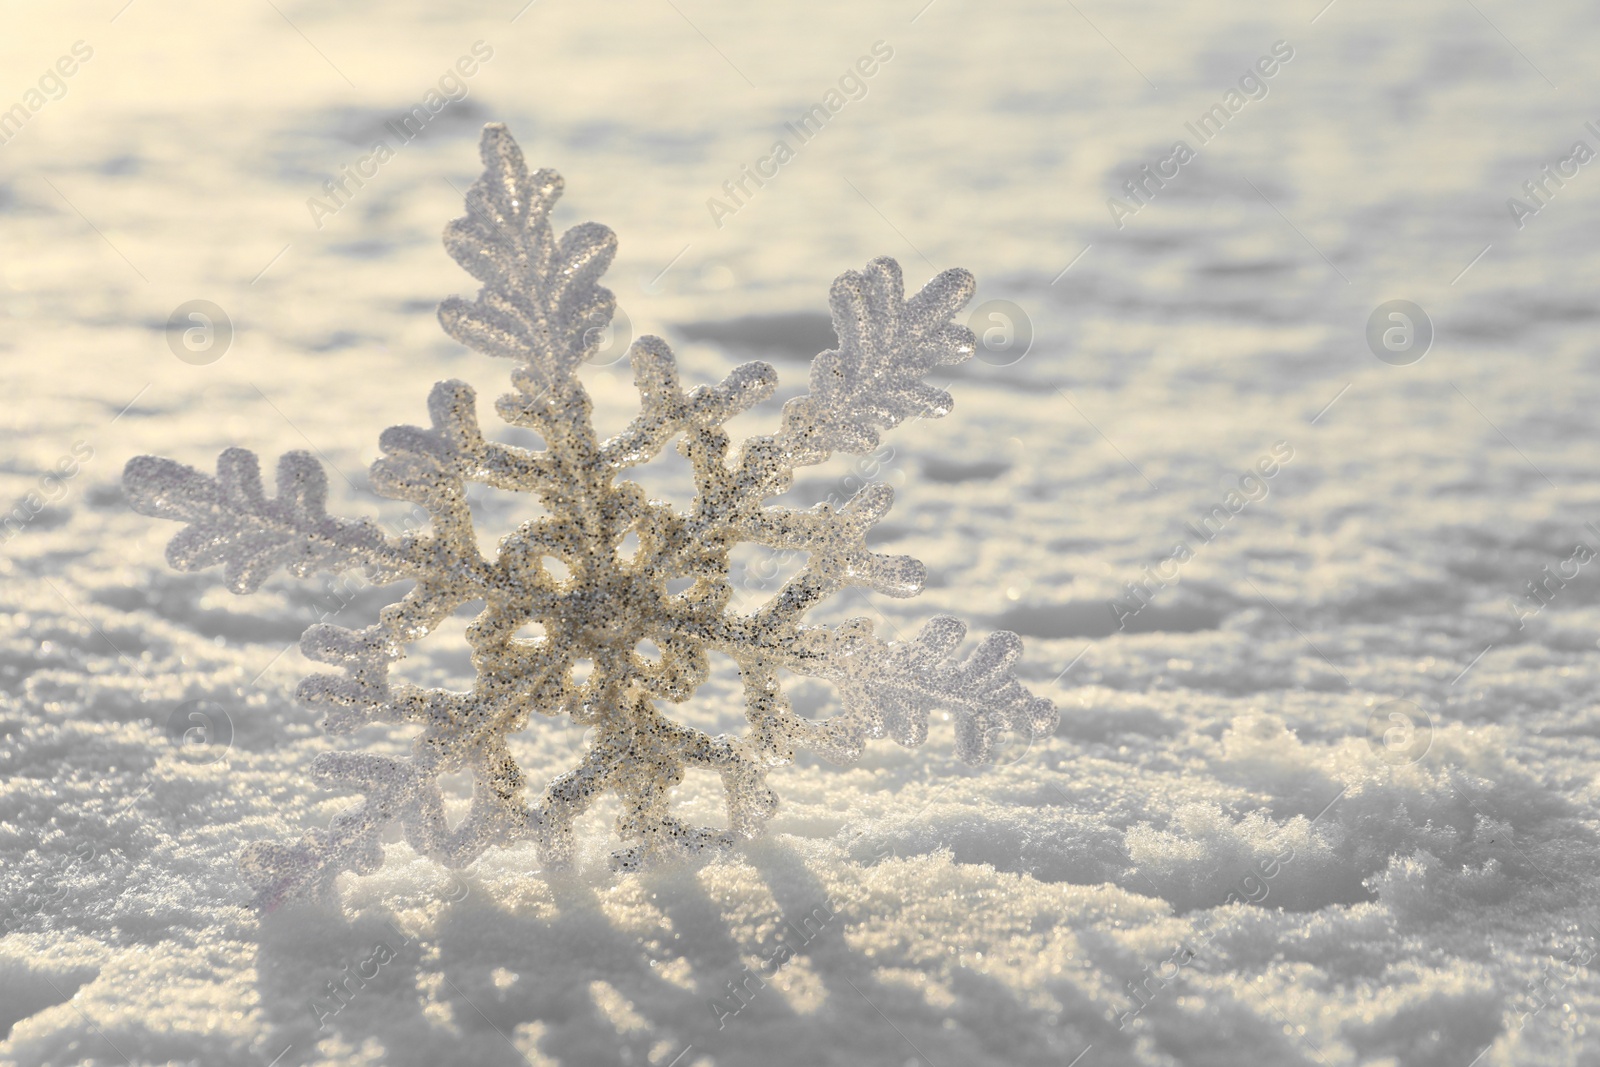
1213,817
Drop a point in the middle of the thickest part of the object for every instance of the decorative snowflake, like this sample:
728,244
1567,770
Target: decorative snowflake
538,306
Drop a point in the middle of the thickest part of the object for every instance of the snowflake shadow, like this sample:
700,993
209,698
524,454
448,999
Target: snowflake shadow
493,985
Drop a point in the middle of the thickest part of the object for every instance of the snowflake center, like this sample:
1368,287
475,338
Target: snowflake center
612,610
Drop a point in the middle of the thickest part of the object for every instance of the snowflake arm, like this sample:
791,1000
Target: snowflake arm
889,688
887,344
232,522
539,303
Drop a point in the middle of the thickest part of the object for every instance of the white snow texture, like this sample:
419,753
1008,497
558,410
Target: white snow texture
1320,621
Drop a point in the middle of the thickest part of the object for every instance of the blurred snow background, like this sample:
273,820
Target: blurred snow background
1218,858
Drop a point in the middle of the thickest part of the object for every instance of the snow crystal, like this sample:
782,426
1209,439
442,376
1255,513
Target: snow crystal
541,306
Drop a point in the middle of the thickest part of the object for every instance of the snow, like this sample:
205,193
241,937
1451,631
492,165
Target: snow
1386,910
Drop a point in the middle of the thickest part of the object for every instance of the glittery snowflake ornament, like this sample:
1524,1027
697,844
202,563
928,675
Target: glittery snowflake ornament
538,307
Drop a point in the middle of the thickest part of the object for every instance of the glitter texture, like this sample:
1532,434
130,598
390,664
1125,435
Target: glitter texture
539,306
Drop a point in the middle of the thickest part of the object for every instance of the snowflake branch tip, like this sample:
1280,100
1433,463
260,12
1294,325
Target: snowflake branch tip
232,522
